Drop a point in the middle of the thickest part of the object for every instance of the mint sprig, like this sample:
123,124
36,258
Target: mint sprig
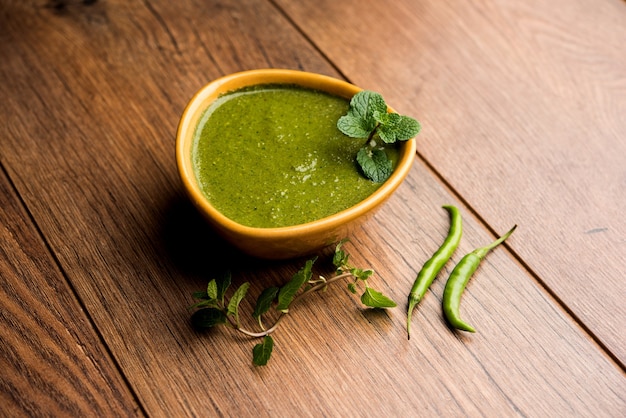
368,117
214,308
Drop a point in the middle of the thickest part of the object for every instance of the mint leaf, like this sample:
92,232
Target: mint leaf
235,300
368,116
407,128
384,117
264,301
211,290
394,127
361,274
207,318
340,257
354,127
223,285
352,287
387,127
200,295
374,164
375,299
288,291
261,352
368,102
359,122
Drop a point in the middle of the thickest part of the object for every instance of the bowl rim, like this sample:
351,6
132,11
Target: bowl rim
203,97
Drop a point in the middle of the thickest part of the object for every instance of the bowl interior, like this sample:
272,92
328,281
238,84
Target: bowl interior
234,230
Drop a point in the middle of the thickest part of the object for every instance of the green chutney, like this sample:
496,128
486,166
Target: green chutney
272,156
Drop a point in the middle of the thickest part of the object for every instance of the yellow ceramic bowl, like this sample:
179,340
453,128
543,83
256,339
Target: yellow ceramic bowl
291,241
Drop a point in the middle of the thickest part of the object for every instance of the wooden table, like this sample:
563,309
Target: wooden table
523,107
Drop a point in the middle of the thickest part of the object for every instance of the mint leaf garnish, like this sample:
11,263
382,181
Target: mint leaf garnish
360,121
288,291
375,299
354,127
264,301
211,290
340,257
208,318
375,164
222,286
352,288
394,127
368,117
235,300
407,128
261,352
201,294
218,310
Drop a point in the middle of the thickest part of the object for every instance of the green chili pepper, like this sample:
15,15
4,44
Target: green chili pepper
459,278
434,265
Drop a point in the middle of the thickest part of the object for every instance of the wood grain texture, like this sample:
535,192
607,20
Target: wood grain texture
52,361
523,106
95,94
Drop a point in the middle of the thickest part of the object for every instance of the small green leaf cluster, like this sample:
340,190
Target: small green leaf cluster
370,297
214,308
368,117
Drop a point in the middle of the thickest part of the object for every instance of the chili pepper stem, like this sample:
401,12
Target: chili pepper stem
413,301
482,252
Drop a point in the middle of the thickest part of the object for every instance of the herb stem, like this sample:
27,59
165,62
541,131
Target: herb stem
282,314
322,285
370,137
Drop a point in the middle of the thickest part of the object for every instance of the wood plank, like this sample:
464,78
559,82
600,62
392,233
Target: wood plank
52,360
536,87
89,145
